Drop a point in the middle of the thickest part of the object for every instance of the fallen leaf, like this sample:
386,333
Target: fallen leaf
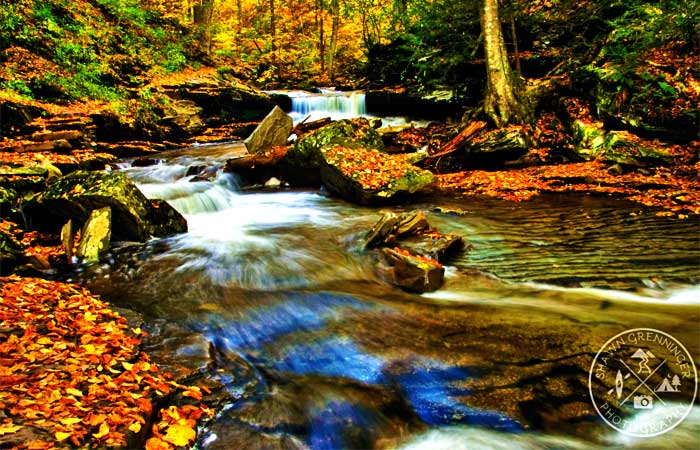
61,436
179,435
103,431
8,428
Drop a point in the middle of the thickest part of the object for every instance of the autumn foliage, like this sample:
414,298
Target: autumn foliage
72,373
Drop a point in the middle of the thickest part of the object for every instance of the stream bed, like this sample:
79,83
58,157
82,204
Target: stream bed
315,351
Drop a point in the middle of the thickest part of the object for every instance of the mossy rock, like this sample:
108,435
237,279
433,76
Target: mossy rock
301,164
11,250
369,177
134,217
23,178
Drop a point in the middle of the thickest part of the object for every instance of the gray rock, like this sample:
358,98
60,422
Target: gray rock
272,131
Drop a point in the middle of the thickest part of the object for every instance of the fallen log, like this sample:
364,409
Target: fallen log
304,127
457,142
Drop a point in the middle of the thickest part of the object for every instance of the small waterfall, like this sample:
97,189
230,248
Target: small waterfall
336,105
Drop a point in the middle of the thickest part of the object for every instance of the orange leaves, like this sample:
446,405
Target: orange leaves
667,189
372,169
71,367
176,427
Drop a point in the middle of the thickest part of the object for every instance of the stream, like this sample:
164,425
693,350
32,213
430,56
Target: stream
316,351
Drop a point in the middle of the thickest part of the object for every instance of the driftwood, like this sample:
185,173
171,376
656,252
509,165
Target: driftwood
304,127
260,161
458,141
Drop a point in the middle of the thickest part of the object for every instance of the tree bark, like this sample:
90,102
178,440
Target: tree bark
500,103
202,14
335,24
321,37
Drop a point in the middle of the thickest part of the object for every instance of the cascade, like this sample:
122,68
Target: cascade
336,105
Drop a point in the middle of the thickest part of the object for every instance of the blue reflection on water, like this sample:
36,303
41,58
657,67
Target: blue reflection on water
430,389
330,426
429,386
334,357
263,325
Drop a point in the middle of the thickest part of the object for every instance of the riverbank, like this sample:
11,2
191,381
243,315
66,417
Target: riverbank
73,373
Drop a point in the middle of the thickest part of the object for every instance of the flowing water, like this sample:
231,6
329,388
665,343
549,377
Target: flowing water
336,105
315,351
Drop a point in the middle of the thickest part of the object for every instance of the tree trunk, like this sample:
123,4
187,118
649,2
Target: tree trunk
202,14
500,103
321,37
335,24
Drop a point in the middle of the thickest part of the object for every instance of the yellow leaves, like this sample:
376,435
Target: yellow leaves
71,420
74,391
61,436
179,435
102,432
8,428
135,427
127,366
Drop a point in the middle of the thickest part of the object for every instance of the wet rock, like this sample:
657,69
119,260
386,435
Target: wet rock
183,354
392,227
301,164
433,245
145,162
272,131
95,236
411,232
258,167
410,272
494,148
134,217
387,179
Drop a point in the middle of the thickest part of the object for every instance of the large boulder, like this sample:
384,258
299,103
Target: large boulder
302,162
369,177
273,131
134,217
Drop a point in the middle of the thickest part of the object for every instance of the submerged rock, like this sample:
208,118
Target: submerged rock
272,131
134,217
